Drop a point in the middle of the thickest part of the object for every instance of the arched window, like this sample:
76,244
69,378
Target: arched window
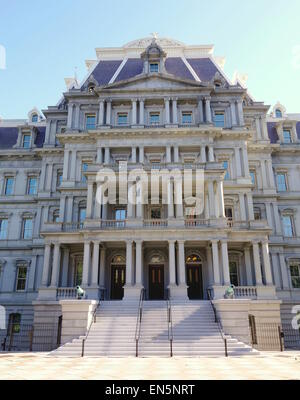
157,259
278,113
34,118
193,259
118,260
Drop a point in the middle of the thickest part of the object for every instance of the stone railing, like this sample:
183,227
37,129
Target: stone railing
245,291
238,224
72,226
113,224
66,293
196,223
155,223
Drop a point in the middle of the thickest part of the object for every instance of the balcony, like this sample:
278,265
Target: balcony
249,292
155,223
66,293
196,223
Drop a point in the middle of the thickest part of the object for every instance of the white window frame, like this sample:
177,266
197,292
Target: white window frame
27,134
19,266
27,218
90,115
5,185
28,185
291,217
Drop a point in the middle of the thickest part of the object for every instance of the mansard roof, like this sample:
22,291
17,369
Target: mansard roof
9,135
272,131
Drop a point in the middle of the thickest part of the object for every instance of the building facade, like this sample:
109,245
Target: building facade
151,105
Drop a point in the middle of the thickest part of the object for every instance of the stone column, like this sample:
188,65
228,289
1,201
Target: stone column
233,113
131,200
240,113
133,155
42,178
141,155
209,266
134,112
56,265
102,268
99,155
264,128
175,115
139,263
172,263
211,196
238,162
257,264
246,162
62,207
284,272
107,155
211,156
73,166
170,200
86,263
70,116
208,110
181,255
200,108
139,202
226,272
220,195
142,112
250,206
101,113
264,174
89,208
167,111
242,206
267,265
178,199
108,112
277,219
206,205
77,116
216,266
168,154
203,154
65,266
95,264
46,267
258,128
271,174
129,274
176,154
248,266
66,165
98,201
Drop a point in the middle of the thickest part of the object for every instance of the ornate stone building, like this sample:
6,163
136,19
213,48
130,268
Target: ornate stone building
155,104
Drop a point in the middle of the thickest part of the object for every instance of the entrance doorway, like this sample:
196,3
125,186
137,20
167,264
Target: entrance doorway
156,282
118,278
194,277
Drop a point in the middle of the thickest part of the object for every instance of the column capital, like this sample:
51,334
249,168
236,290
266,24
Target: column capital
96,242
174,98
181,242
166,99
139,241
214,241
224,241
141,99
172,241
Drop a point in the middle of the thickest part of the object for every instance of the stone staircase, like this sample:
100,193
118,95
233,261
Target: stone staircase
195,332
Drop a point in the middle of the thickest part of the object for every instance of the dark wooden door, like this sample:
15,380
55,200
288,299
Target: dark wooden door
118,280
156,282
194,282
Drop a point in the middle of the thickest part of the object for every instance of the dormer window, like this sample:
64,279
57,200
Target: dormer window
187,118
219,119
34,118
154,68
90,121
122,119
26,141
154,118
287,136
278,113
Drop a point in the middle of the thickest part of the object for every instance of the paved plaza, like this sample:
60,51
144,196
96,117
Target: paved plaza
267,366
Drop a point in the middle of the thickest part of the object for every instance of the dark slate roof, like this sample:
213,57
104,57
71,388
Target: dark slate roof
177,67
272,132
9,136
105,70
204,68
132,68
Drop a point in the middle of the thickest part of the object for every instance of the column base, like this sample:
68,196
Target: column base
132,292
178,292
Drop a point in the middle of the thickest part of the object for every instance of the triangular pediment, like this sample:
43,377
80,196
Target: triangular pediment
154,81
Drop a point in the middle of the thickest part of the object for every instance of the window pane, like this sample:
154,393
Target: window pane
34,118
27,234
187,118
278,114
32,186
78,274
154,118
82,214
234,279
281,183
3,229
287,226
122,119
120,215
154,67
225,166
9,186
21,279
295,275
90,122
26,141
253,177
287,137
155,213
219,120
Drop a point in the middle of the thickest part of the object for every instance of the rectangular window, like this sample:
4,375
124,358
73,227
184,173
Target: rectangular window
226,167
295,275
281,182
253,177
90,122
219,119
287,136
82,214
154,118
14,325
21,278
257,214
154,68
123,119
84,169
32,186
120,214
155,213
234,276
59,178
287,222
9,186
3,228
26,141
187,118
27,228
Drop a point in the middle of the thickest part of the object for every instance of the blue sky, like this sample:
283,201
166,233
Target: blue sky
45,40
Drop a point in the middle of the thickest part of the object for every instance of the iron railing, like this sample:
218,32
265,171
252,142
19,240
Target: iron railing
291,337
266,336
218,322
139,322
170,323
93,321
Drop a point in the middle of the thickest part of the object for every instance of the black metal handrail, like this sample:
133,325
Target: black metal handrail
93,321
139,322
218,322
170,323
